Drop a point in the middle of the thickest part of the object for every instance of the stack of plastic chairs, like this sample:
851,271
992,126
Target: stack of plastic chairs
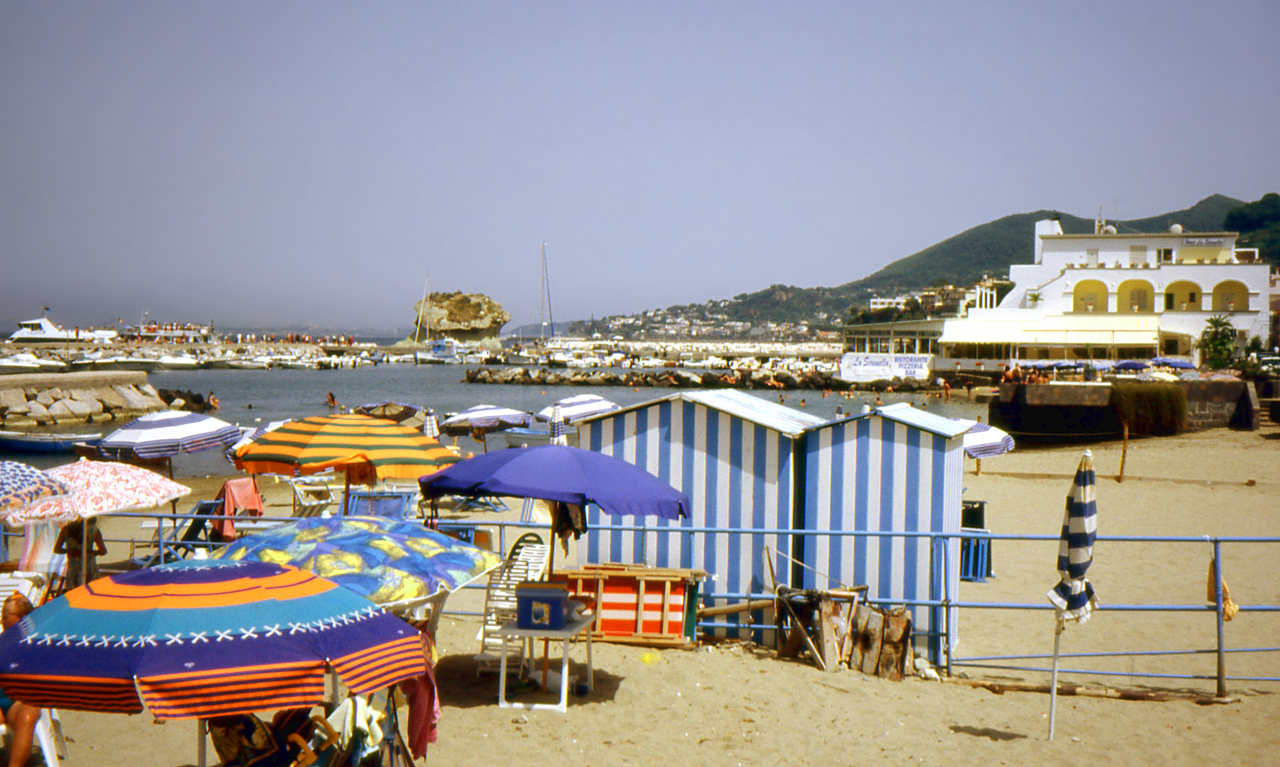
526,562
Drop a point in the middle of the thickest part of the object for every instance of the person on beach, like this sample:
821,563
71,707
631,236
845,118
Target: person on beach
331,401
17,716
212,401
70,542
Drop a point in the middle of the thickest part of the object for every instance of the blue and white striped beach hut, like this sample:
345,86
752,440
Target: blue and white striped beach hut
746,462
893,469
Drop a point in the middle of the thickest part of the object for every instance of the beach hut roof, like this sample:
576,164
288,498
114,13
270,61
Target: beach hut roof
760,411
902,412
785,420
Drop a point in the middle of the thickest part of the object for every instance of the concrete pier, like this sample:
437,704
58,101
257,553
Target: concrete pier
33,400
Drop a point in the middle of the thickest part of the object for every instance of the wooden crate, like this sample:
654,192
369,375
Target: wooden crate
636,604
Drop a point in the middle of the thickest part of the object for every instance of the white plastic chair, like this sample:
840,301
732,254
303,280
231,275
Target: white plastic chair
310,496
48,732
527,561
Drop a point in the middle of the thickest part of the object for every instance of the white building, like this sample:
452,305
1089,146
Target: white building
1105,295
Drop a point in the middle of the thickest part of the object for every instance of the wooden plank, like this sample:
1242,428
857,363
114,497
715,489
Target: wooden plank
827,636
870,640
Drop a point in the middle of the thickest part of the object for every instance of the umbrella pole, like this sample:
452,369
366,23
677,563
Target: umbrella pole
1053,677
202,728
84,551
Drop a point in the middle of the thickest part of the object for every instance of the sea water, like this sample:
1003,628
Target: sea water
253,397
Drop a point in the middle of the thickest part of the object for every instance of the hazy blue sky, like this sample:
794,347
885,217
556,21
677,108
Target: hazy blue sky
308,163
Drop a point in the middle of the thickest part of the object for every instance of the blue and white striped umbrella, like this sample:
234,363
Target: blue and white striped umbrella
559,427
169,432
430,426
579,406
984,440
485,418
1073,596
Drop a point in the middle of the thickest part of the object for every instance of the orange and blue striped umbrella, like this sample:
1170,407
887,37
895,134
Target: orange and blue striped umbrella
310,445
204,638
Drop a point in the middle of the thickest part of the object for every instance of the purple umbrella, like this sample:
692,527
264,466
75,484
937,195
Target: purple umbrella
561,473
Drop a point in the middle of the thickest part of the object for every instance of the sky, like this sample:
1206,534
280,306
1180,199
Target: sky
314,163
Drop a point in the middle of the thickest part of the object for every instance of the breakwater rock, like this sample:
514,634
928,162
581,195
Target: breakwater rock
667,378
28,401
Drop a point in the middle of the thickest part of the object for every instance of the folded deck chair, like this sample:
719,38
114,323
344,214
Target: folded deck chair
311,496
393,504
526,562
197,534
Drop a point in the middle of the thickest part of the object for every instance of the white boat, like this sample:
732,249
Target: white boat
26,362
42,330
178,362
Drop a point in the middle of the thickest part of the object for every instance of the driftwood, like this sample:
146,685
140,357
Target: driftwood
733,609
1087,691
881,642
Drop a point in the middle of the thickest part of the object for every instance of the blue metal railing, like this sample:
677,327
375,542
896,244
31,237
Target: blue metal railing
170,526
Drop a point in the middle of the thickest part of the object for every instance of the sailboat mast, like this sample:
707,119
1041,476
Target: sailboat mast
422,307
542,296
546,291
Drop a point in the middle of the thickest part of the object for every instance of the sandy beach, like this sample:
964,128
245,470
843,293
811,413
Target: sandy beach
733,703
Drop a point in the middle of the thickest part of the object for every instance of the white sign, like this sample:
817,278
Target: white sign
864,368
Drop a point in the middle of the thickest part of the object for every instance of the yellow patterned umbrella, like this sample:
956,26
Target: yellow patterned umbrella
367,448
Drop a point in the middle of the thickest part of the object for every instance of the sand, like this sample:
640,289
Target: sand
733,704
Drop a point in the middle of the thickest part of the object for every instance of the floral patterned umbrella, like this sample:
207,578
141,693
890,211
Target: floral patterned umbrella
388,561
22,485
99,487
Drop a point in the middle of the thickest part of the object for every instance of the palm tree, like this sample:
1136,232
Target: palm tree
1218,342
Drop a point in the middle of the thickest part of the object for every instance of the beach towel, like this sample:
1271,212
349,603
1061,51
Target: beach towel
1229,608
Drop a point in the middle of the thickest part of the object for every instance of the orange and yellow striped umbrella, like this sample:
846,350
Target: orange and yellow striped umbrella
345,441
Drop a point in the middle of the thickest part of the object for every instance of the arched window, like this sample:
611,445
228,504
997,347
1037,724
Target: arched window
1230,296
1183,296
1134,297
1089,296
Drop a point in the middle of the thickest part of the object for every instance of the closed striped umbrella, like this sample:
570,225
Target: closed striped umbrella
204,638
169,432
559,428
310,445
1073,597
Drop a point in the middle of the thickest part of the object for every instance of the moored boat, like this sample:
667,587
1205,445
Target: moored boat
44,442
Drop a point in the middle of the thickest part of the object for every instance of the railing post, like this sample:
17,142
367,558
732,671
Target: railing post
1217,598
946,601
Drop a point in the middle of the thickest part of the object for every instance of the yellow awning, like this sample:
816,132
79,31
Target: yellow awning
1061,330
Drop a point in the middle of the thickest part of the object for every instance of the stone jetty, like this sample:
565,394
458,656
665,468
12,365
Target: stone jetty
29,401
675,378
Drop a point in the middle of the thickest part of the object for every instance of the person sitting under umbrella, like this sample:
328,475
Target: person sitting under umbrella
71,542
17,716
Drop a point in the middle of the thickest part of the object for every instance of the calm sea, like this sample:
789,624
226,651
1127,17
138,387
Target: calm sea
249,397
